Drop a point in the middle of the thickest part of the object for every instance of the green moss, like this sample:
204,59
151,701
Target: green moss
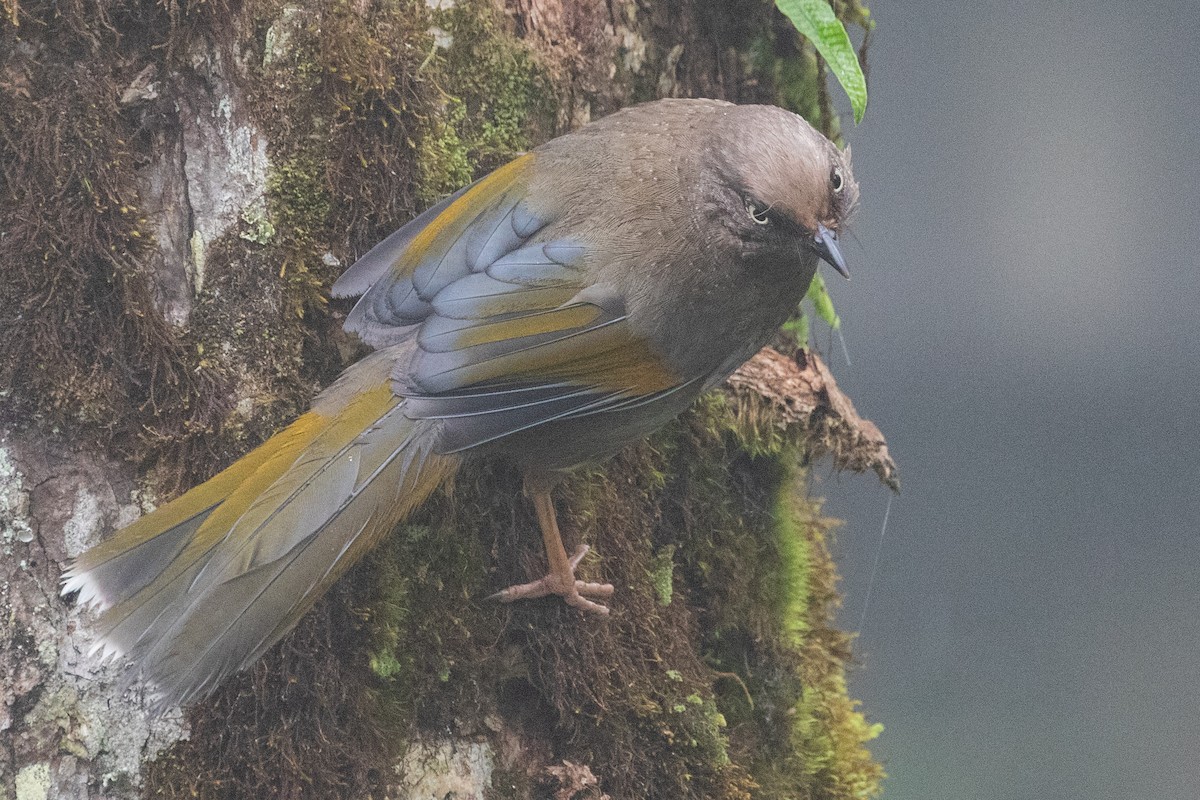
756,572
793,597
795,73
497,100
444,164
831,734
299,194
662,574
423,596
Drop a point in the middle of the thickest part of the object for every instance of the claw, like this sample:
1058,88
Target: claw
580,552
574,593
560,579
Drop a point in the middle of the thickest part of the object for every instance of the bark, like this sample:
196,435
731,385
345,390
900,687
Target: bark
181,182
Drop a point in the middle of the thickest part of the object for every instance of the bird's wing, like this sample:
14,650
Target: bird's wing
401,274
511,332
501,353
380,258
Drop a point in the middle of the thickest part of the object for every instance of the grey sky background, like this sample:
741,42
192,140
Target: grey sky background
1024,324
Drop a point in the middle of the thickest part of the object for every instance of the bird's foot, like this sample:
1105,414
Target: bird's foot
574,593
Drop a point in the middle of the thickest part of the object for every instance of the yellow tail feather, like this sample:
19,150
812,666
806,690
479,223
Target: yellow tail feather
119,567
203,586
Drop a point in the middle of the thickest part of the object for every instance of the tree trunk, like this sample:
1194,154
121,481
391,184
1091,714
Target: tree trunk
181,183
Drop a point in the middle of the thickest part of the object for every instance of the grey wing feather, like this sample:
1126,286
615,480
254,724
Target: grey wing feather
400,295
479,296
487,331
363,274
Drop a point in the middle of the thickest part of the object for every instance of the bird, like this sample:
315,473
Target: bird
554,311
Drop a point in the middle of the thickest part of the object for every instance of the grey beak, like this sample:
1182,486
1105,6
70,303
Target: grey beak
825,242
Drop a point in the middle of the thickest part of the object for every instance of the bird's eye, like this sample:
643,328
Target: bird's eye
836,181
759,215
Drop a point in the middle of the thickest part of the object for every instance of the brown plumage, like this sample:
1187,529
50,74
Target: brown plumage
559,308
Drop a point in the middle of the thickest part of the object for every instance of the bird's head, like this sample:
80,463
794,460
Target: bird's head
779,187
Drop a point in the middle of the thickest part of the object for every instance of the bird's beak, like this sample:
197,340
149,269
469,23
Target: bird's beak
825,242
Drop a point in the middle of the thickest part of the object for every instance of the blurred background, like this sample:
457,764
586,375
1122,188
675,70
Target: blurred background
1024,326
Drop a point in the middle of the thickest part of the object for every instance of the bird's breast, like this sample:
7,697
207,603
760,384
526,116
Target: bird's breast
707,312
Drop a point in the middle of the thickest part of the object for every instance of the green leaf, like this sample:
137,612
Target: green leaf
822,303
816,22
797,328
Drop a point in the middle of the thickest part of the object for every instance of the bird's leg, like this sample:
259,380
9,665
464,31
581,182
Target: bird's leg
560,579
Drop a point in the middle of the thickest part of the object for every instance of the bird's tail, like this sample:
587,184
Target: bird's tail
201,587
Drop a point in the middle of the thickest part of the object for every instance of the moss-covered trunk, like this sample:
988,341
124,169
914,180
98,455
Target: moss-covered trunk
180,183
